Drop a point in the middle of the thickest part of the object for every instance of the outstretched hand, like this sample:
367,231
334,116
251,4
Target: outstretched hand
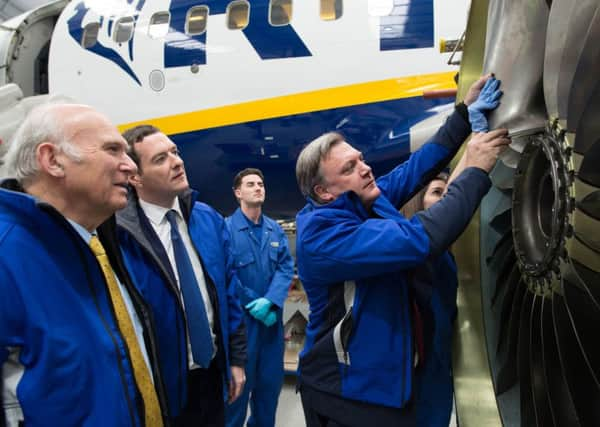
475,89
484,148
487,100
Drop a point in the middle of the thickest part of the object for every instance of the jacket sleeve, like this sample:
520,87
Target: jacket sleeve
284,272
447,219
424,164
11,312
334,249
237,328
11,323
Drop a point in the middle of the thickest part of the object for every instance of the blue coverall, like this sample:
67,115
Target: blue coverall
435,284
265,269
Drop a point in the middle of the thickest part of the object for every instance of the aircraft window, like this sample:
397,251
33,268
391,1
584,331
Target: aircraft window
159,25
380,7
331,10
238,14
123,30
196,20
90,35
280,12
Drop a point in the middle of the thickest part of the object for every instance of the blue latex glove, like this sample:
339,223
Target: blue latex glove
487,100
259,308
270,319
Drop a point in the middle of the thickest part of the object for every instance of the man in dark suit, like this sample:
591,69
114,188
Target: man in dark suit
193,288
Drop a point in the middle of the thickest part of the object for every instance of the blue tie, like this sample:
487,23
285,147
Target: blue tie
200,336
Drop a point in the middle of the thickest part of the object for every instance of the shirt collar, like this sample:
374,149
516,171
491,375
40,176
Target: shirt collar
251,223
85,235
157,214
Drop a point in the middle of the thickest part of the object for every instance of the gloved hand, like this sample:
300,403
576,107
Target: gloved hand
487,100
270,319
259,308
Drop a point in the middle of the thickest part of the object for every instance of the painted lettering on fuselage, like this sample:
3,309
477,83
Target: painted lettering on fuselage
410,25
268,41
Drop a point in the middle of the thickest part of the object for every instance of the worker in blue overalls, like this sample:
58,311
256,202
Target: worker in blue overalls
265,269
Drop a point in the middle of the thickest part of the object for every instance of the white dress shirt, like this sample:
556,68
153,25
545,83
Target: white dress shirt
137,325
158,218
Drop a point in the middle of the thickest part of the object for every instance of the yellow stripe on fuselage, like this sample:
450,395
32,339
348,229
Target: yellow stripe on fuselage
318,100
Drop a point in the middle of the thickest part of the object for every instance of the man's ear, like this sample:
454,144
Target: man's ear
50,159
135,180
323,193
237,192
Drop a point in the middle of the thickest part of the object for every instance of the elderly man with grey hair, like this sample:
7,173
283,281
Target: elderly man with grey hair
354,250
77,345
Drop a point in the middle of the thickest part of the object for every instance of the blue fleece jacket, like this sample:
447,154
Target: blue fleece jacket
353,264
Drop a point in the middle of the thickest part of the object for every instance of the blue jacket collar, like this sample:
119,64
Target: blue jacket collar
349,201
22,205
239,221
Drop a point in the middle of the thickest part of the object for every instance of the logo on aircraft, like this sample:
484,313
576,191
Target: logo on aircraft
180,47
107,26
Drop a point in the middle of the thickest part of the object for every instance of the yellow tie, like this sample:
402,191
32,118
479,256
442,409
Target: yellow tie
140,369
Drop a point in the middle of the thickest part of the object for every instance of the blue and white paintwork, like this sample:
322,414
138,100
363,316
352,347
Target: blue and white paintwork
213,73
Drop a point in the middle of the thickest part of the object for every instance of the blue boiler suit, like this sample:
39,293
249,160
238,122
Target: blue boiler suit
265,269
354,263
436,284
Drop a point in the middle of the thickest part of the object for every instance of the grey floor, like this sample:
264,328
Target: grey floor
289,408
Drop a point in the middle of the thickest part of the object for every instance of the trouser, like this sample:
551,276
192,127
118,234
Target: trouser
205,406
328,410
264,377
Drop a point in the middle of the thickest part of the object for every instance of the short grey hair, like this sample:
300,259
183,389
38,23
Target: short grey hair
41,125
308,165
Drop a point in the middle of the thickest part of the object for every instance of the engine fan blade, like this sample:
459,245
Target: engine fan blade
568,23
584,313
575,370
555,41
581,276
586,126
559,398
507,373
524,358
516,31
577,83
582,253
502,177
501,251
586,226
508,278
539,387
589,173
509,299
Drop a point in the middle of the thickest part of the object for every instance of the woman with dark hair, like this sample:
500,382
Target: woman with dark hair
434,287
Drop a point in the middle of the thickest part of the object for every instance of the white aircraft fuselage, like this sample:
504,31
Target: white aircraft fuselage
254,95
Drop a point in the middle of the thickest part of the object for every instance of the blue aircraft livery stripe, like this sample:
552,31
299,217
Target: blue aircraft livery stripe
409,26
76,32
272,42
182,49
381,130
302,102
268,41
